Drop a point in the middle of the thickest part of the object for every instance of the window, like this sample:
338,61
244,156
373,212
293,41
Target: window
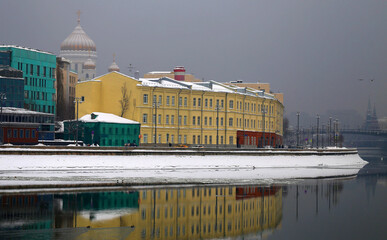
221,121
159,138
231,104
210,121
205,121
179,120
145,118
173,100
231,140
167,119
193,120
217,103
180,101
199,120
21,133
185,139
193,139
230,122
194,102
145,98
159,121
172,119
167,100
160,100
154,118
185,120
185,102
145,138
27,133
199,102
210,103
222,103
154,99
211,139
205,139
206,102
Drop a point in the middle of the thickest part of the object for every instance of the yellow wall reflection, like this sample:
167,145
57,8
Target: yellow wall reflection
190,213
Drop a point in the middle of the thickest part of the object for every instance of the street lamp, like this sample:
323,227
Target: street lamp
3,97
156,105
336,127
217,124
298,129
78,100
318,122
330,131
264,111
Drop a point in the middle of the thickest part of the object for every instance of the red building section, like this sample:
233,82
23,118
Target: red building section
254,192
20,134
249,138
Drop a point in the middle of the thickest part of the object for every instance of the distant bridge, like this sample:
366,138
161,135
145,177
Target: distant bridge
380,133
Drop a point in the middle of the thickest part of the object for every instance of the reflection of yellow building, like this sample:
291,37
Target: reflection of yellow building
195,213
172,111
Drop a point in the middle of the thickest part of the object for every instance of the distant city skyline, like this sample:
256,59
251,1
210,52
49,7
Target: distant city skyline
323,55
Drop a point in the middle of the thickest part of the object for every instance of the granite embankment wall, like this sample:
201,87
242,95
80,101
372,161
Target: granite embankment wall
60,150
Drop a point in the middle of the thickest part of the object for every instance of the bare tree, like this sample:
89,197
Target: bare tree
124,102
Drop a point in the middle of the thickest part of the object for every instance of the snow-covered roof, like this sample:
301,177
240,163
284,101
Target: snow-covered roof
106,117
25,48
160,72
14,110
210,86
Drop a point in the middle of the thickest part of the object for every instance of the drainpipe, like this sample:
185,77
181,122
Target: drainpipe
243,122
178,114
225,120
201,118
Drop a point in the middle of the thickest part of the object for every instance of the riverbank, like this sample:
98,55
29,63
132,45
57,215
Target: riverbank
127,151
64,170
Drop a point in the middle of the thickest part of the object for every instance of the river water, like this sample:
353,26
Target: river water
349,208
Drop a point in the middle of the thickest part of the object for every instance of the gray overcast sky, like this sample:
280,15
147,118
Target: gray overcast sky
312,51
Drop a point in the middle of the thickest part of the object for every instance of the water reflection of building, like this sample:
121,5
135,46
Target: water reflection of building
197,213
22,211
185,213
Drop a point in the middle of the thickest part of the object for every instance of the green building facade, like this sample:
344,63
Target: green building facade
39,75
103,129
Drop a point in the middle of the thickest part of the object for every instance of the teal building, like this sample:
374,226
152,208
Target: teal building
38,69
104,129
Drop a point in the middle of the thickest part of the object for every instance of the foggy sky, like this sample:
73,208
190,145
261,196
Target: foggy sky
312,51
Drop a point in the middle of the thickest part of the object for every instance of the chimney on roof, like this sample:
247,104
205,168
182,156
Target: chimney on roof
137,75
179,73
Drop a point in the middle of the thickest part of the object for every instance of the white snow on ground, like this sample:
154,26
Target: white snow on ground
63,169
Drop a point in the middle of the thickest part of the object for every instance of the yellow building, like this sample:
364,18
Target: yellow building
192,113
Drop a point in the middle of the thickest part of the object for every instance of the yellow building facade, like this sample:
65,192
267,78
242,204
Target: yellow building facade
192,113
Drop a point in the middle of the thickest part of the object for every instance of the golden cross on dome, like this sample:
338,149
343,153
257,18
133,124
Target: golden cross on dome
79,16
